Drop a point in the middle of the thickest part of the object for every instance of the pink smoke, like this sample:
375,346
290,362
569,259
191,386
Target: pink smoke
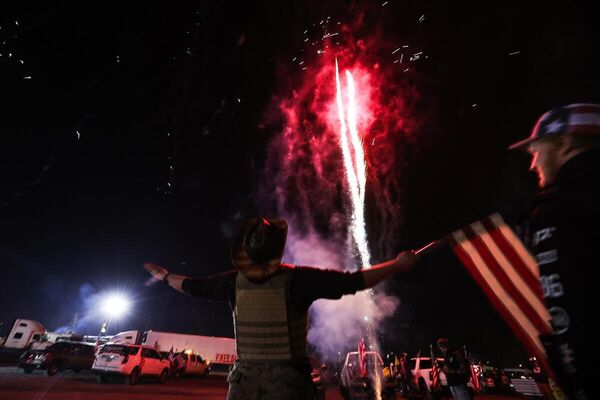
304,175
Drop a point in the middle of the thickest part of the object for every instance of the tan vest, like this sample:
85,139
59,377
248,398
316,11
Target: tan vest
267,329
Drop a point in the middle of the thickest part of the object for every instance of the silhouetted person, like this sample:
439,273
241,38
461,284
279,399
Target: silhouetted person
270,303
563,234
456,369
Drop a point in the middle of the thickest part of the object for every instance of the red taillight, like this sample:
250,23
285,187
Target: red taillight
125,359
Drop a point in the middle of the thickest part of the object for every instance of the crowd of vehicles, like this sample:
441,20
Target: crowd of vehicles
132,355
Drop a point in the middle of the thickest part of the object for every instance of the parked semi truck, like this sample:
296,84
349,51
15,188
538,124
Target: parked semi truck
216,350
23,332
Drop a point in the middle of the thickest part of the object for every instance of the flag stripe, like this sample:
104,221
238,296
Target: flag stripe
584,129
510,249
500,278
508,274
497,295
585,119
518,274
524,255
474,378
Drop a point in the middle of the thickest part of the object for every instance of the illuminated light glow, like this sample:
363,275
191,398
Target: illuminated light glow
115,305
361,173
355,166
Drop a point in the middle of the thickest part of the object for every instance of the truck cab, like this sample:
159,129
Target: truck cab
23,332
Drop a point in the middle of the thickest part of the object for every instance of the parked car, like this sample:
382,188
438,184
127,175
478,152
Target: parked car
75,356
131,362
422,375
521,382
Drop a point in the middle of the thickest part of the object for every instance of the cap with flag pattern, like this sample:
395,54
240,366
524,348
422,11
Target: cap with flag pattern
578,118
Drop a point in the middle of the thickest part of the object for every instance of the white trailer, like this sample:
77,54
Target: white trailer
216,350
127,337
23,332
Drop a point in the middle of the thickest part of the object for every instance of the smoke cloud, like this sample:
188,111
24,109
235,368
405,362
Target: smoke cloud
304,179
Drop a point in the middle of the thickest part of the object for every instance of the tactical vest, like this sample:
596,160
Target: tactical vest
267,328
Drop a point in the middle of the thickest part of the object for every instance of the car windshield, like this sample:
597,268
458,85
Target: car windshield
61,346
370,361
119,349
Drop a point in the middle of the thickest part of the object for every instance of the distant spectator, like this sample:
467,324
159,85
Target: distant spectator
456,369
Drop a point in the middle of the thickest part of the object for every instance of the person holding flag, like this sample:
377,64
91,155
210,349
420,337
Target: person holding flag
540,283
436,386
563,232
270,302
456,369
171,358
473,372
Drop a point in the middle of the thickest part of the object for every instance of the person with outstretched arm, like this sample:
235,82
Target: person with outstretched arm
270,302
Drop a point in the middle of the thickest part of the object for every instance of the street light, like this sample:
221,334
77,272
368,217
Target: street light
113,306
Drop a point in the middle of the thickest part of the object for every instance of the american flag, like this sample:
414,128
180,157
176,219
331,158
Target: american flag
509,276
362,359
435,373
474,377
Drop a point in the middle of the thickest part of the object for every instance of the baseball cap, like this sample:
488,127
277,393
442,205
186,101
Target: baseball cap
580,118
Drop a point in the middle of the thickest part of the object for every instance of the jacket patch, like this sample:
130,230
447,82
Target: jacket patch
547,257
543,234
551,285
560,319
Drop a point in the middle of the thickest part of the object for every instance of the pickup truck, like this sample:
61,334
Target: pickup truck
353,386
422,376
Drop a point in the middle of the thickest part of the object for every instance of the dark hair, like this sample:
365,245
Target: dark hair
264,241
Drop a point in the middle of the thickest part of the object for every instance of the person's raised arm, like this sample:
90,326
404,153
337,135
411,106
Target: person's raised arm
404,262
161,274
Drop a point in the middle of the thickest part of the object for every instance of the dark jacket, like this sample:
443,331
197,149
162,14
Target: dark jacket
563,236
456,367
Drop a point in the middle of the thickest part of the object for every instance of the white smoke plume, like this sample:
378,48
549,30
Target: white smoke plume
336,325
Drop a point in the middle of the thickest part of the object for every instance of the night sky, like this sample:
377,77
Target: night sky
139,132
